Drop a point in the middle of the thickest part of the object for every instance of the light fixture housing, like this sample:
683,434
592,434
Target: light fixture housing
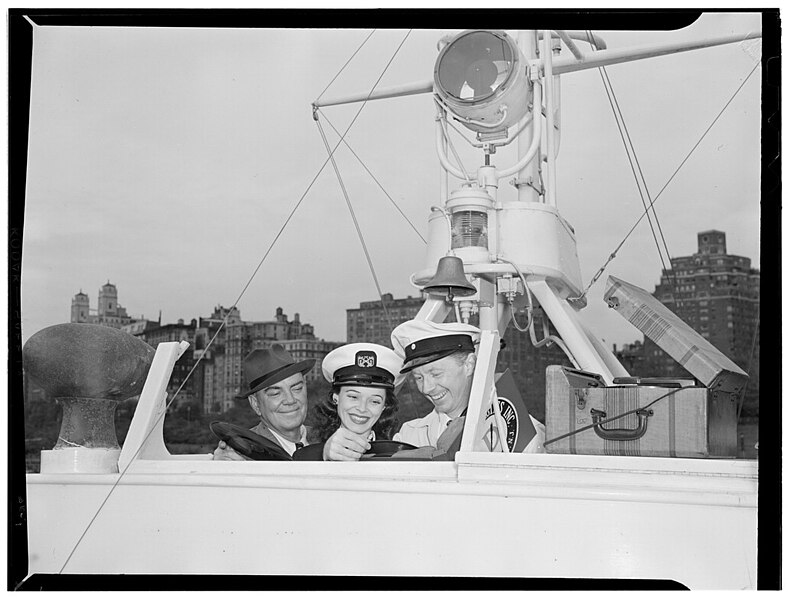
481,77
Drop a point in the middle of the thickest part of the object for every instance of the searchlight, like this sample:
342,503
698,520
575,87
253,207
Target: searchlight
481,78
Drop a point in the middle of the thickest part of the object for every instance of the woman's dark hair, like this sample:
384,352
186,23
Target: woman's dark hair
327,421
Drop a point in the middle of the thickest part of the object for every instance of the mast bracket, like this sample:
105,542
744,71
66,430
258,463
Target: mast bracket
534,69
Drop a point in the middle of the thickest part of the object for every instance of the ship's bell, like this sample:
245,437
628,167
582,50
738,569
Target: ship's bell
449,279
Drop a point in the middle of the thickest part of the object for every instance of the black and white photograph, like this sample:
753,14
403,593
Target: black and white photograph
386,299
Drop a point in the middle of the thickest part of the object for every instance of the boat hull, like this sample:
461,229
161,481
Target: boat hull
553,516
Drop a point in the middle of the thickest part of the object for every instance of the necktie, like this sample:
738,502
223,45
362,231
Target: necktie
299,445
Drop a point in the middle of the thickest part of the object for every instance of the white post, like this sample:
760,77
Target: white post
434,309
616,367
567,323
145,438
483,380
488,305
547,60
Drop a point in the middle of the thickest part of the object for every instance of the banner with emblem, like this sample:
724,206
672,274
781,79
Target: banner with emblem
512,417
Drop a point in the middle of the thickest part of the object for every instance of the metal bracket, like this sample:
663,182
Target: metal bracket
580,398
534,67
527,182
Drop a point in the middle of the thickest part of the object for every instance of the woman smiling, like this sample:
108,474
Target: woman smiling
361,405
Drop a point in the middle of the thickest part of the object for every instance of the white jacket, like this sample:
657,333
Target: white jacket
426,430
423,431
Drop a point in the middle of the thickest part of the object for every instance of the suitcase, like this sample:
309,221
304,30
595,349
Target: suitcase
669,420
691,418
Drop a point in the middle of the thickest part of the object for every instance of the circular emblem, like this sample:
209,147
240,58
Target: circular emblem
510,416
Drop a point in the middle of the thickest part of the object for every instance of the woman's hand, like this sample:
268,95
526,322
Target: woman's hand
345,446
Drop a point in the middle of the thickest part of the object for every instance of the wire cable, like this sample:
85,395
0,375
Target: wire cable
412,226
331,159
355,223
612,256
339,72
637,171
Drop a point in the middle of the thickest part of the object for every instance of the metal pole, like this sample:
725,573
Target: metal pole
528,178
488,305
547,60
407,89
567,323
569,64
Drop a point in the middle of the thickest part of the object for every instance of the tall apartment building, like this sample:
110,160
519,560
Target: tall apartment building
369,322
219,375
209,344
718,295
108,313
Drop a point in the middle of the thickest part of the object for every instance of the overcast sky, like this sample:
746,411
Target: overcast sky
166,161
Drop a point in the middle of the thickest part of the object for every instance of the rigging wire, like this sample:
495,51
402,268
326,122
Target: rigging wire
234,305
355,223
331,158
339,72
412,226
316,111
678,168
629,147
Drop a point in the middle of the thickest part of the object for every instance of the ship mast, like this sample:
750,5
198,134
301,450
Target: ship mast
516,253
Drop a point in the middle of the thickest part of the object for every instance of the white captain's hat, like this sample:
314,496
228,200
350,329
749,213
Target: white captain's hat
420,342
362,364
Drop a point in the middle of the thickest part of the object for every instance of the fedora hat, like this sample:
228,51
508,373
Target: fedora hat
264,367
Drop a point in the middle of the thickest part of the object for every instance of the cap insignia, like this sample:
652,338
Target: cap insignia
366,359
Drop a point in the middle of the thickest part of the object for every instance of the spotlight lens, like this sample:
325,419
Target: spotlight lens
475,65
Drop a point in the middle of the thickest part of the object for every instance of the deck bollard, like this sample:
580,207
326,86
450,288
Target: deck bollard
88,369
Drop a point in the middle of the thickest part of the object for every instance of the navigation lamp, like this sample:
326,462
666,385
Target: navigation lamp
468,228
469,208
480,76
449,280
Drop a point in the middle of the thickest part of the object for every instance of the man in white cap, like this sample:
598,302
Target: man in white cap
441,358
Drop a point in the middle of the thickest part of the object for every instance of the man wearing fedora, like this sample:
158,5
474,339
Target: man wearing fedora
277,394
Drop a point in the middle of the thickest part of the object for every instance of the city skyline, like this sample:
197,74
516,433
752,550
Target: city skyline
156,159
664,282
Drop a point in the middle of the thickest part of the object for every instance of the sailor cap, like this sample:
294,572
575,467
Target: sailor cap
362,364
420,342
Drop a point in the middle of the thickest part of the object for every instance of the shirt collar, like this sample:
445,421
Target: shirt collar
287,444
